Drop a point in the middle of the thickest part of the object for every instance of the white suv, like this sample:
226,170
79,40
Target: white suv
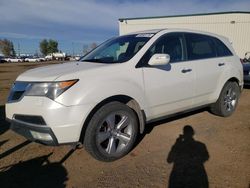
105,99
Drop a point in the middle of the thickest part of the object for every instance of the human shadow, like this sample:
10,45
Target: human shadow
4,125
188,157
38,172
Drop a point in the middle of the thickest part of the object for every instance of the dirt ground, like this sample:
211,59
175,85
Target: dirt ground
220,153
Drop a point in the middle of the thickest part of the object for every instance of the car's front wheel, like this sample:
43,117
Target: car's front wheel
112,132
228,100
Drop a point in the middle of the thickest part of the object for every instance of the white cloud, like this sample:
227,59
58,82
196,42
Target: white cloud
96,15
100,14
85,21
20,36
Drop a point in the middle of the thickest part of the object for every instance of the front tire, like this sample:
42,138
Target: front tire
228,100
112,132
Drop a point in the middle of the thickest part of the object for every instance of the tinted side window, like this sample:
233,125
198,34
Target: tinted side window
200,46
170,44
221,48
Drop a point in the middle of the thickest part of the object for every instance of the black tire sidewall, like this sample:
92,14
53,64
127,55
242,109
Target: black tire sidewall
93,127
236,89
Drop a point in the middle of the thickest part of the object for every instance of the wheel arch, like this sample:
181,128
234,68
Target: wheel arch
127,100
233,79
219,89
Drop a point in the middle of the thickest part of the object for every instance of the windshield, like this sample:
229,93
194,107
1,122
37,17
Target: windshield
118,50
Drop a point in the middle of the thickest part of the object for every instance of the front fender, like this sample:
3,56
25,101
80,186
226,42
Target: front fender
98,90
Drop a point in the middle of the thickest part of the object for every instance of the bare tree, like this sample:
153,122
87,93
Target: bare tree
93,45
7,48
85,49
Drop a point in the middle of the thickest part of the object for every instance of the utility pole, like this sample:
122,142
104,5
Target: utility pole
73,49
18,49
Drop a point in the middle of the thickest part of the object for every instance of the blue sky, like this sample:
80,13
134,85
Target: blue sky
76,23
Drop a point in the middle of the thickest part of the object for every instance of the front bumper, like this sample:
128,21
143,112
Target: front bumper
62,123
33,132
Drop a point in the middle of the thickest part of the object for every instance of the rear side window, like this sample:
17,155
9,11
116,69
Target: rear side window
221,49
200,46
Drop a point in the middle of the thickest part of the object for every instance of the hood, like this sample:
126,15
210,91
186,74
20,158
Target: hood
52,72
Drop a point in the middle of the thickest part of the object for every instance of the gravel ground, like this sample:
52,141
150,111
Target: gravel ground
218,155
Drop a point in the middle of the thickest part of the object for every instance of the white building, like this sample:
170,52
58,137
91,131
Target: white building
233,25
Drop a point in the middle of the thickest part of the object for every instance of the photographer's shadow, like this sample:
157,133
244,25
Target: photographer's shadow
188,156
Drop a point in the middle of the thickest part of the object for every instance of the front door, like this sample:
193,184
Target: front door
169,88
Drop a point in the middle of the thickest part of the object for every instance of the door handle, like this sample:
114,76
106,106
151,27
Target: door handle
186,70
221,64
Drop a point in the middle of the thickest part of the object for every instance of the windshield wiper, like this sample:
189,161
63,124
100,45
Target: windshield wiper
106,60
93,60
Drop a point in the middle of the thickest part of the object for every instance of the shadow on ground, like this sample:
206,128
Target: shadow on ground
246,86
14,149
4,125
38,172
150,126
188,157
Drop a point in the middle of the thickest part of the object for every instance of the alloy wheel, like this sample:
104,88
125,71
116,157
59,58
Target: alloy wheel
114,133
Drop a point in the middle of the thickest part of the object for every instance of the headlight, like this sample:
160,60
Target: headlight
49,89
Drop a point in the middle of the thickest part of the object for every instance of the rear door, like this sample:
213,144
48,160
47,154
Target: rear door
202,52
169,88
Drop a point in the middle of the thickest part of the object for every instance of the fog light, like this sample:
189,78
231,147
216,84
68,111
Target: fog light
41,136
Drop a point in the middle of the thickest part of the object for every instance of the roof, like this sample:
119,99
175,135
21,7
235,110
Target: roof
154,31
185,15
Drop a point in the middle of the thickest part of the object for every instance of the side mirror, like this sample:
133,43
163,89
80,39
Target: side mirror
159,59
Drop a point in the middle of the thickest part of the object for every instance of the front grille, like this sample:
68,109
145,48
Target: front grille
17,91
38,120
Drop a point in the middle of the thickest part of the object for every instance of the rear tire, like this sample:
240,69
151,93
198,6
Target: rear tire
112,132
227,101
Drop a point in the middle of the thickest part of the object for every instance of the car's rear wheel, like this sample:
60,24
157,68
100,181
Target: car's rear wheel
228,100
112,132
